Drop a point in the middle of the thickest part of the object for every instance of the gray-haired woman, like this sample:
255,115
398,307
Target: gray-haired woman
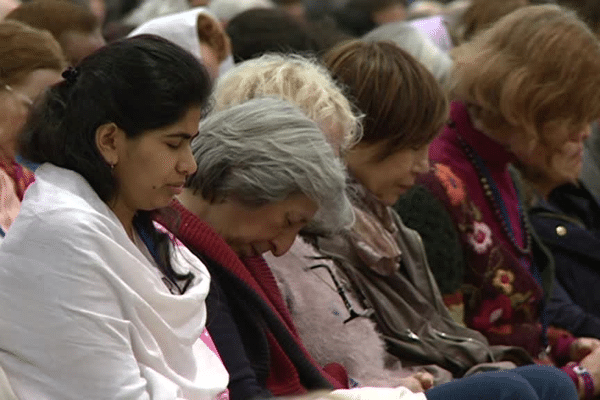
265,171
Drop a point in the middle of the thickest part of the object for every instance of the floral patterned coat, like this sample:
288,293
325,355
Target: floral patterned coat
504,289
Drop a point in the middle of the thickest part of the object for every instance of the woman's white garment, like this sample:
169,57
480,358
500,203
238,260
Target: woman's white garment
85,315
370,393
182,29
6,392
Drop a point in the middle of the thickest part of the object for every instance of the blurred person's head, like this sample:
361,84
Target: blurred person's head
409,38
294,8
226,10
424,9
30,61
404,108
302,82
327,34
97,7
261,30
358,17
587,10
481,14
197,32
7,6
531,79
74,26
548,167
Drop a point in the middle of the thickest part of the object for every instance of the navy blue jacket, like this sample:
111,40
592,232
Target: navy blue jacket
569,225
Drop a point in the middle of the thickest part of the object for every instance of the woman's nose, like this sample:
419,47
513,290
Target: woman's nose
421,164
282,243
187,164
586,133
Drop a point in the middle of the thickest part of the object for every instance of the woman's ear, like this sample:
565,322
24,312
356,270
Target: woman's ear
108,139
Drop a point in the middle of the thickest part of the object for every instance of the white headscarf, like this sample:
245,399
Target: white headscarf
181,29
150,9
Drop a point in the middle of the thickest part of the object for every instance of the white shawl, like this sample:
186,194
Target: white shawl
85,315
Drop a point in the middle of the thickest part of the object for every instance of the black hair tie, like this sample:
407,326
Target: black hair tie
71,74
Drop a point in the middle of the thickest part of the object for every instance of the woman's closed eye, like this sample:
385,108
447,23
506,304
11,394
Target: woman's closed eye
175,144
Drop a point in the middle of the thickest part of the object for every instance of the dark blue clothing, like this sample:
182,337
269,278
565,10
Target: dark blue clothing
569,225
243,382
533,382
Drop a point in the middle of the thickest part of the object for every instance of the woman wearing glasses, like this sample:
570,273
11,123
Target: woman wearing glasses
30,61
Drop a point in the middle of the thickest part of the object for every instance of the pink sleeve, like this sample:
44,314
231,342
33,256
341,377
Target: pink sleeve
207,339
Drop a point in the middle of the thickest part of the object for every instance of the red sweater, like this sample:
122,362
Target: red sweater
252,291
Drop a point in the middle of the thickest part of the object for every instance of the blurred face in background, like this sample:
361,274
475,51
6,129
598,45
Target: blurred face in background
15,102
78,45
391,13
557,162
7,6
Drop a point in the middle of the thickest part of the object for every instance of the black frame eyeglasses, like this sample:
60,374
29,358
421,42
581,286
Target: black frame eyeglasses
20,95
340,290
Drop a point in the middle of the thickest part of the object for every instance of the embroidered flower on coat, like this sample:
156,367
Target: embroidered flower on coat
481,237
453,184
503,280
493,313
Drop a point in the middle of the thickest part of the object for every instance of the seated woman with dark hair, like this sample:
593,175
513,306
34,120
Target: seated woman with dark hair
96,302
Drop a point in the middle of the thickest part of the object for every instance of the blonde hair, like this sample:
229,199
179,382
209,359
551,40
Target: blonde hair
301,81
536,67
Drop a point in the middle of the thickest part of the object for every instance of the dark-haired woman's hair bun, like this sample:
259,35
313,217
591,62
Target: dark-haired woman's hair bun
71,74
